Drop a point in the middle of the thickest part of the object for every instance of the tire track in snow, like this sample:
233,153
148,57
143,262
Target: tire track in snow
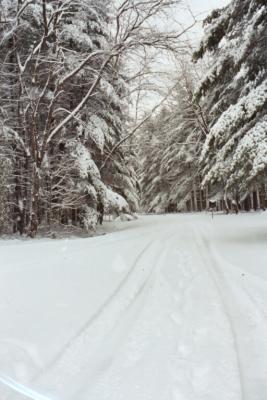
81,336
138,338
207,263
245,291
111,321
249,322
120,332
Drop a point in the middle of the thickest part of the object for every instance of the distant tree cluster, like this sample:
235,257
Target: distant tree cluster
209,146
170,178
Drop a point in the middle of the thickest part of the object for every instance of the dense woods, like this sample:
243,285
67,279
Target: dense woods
209,146
65,95
70,147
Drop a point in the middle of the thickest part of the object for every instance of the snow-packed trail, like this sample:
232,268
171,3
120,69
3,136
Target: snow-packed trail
162,309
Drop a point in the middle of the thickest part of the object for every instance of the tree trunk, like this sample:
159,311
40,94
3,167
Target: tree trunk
226,204
258,198
34,204
207,198
251,201
195,196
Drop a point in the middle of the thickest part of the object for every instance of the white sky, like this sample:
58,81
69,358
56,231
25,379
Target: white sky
205,6
182,17
200,9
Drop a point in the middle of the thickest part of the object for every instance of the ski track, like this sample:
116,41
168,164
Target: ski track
174,328
105,306
199,239
245,317
72,351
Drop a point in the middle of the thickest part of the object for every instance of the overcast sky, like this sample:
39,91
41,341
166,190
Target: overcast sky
200,9
183,16
205,6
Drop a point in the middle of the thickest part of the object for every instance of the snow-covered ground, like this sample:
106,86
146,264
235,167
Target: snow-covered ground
164,308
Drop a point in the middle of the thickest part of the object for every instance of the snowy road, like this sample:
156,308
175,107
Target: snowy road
165,308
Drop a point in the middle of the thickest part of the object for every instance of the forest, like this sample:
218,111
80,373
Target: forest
133,196
107,108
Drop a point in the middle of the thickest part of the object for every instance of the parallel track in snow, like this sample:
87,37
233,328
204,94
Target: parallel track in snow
174,327
66,355
210,265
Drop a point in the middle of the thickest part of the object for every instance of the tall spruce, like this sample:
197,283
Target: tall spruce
234,93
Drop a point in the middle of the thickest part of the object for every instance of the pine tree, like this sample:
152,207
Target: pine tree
99,125
234,91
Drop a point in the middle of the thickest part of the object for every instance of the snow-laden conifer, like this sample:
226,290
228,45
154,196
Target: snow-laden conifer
234,91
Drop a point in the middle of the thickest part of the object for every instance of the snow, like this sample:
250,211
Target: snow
170,307
84,162
90,218
110,92
254,146
114,201
76,33
97,129
242,111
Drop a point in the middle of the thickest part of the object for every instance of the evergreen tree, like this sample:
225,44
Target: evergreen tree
234,92
99,125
